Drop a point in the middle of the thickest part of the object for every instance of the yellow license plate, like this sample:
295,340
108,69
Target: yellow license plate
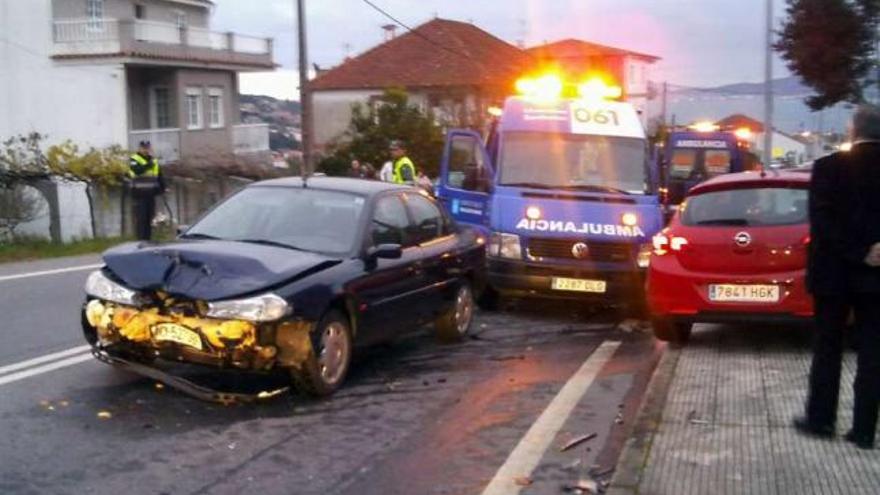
767,294
580,285
170,332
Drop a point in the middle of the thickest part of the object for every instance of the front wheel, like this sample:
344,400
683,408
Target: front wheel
328,365
671,331
454,324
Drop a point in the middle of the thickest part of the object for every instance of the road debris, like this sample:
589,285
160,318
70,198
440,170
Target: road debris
507,358
104,415
577,441
619,419
63,403
583,487
159,386
522,481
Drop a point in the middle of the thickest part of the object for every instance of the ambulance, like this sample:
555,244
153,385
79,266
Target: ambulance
563,189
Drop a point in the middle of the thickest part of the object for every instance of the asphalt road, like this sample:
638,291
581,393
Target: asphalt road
415,417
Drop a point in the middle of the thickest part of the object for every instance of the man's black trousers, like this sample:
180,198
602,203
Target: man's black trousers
832,313
144,210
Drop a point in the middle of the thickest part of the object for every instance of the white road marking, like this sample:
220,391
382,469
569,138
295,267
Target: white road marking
530,449
21,375
43,359
19,276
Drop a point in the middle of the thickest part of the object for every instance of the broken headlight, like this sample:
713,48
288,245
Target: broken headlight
101,287
265,307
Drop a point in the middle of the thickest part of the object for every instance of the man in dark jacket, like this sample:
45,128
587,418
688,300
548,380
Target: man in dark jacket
843,275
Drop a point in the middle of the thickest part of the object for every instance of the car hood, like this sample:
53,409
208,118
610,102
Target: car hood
210,270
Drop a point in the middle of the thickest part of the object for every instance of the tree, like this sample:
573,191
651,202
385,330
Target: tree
18,204
372,128
831,45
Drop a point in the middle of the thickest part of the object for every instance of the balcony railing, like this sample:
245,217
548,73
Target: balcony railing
165,142
250,138
84,37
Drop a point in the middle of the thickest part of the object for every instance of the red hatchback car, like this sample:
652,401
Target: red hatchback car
735,251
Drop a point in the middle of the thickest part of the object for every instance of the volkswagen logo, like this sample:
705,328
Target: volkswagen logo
743,239
580,250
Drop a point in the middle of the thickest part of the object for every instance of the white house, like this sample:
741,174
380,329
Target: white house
105,72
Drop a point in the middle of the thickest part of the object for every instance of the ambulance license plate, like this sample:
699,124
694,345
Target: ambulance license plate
170,332
767,294
580,285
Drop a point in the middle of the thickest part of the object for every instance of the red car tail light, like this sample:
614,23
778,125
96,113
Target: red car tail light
664,243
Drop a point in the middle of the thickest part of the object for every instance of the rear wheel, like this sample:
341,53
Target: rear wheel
454,325
671,331
326,369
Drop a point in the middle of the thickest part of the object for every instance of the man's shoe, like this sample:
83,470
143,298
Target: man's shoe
860,441
804,426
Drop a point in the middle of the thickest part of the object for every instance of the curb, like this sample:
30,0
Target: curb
633,458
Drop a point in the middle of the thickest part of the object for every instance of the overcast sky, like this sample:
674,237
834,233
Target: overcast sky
701,42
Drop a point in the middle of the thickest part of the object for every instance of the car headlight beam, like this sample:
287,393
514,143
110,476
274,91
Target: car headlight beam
101,287
265,307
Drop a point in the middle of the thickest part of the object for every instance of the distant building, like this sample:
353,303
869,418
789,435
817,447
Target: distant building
458,71
453,68
786,147
105,72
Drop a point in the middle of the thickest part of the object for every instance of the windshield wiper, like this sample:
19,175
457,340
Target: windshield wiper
267,242
725,221
198,235
533,185
596,188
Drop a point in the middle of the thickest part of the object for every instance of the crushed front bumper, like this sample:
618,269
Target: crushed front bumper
149,333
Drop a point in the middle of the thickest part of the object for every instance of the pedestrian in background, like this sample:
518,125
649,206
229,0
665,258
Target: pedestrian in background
145,183
403,170
386,174
843,274
368,171
356,171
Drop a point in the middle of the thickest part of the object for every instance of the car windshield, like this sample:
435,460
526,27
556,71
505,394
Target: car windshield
304,219
687,163
573,161
747,207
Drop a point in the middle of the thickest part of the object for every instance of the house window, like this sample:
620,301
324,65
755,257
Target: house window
161,104
140,12
95,13
215,107
180,19
194,108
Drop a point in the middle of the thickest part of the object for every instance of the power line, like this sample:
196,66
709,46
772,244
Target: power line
415,32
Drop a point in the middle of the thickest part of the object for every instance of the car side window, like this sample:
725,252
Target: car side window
428,221
466,166
390,221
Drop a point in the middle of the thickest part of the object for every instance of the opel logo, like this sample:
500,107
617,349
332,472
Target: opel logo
580,250
743,239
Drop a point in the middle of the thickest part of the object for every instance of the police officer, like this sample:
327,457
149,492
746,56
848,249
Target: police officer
146,182
403,170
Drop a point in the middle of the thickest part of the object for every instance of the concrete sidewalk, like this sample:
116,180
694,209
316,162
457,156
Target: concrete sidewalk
725,424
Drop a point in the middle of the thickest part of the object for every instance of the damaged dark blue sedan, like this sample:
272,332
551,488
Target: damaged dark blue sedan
289,274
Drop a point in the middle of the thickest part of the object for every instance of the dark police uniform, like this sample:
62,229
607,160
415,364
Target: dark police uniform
844,224
146,184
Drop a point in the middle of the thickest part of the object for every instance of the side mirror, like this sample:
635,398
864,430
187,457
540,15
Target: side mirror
386,252
181,229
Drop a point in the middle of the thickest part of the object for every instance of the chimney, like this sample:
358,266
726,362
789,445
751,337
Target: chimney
390,31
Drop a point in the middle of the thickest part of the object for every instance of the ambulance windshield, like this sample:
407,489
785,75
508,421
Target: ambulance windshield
573,161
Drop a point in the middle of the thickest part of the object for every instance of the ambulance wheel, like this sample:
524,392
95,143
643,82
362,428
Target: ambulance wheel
490,299
671,331
454,325
326,368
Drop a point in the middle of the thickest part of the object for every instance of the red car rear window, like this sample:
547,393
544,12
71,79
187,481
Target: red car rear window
747,207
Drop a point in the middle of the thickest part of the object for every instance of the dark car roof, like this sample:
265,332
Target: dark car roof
773,178
345,184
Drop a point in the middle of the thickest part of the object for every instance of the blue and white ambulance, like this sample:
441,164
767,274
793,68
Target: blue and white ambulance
564,191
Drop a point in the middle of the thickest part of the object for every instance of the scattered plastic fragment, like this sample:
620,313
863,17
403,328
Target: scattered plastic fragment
160,386
577,441
104,415
522,481
583,487
232,446
63,403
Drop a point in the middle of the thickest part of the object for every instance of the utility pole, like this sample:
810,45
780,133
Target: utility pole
305,96
768,89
